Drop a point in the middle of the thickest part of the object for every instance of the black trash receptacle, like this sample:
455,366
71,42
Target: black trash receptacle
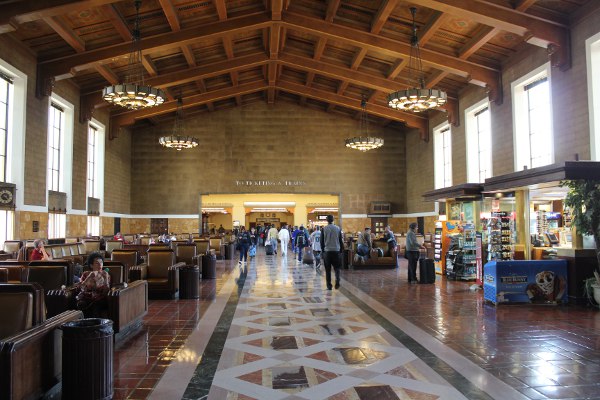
209,266
188,282
87,359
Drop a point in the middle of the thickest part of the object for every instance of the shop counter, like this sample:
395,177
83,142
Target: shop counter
540,282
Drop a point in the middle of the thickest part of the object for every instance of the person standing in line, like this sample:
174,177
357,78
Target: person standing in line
284,238
315,239
301,242
273,238
332,246
412,252
244,241
253,242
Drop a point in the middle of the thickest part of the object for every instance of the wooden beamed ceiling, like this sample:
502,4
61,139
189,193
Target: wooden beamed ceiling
331,51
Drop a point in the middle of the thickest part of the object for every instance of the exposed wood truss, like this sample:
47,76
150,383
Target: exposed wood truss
331,52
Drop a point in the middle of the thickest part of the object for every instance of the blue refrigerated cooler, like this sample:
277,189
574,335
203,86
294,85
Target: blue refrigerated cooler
535,281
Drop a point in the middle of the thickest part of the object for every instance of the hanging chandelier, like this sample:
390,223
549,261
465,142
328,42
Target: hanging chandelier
417,98
364,142
177,140
133,94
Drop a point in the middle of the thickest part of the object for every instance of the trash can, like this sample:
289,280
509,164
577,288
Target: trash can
188,282
209,266
87,359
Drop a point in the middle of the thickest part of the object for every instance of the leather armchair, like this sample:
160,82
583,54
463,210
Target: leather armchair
11,248
186,253
161,272
129,258
219,247
202,246
113,245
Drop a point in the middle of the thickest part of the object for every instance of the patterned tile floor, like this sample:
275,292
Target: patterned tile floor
271,331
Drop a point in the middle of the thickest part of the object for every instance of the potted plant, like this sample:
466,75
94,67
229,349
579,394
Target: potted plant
583,200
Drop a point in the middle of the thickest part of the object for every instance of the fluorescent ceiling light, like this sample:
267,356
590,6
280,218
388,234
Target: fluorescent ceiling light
334,209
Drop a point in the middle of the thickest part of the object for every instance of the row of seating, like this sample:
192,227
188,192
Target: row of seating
127,304
30,345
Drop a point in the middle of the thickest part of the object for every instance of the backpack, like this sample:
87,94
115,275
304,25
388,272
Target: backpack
300,240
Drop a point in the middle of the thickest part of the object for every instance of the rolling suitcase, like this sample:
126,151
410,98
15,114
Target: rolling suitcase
308,256
269,249
426,270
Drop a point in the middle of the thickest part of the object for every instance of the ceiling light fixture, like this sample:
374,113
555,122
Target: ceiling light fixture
364,142
133,94
417,98
178,140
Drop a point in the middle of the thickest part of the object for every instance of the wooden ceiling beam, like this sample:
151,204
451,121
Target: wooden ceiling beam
341,73
202,72
115,17
60,26
149,65
435,78
523,5
476,73
309,78
171,14
276,9
477,41
410,120
228,46
332,7
63,66
18,12
221,8
110,76
431,28
358,58
539,32
274,41
128,118
382,15
320,48
189,55
397,68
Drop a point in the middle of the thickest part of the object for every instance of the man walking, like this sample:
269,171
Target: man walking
332,246
315,240
284,237
272,236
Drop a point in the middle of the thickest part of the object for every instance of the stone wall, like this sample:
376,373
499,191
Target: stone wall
266,142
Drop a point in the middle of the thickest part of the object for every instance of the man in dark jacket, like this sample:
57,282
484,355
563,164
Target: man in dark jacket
332,246
301,241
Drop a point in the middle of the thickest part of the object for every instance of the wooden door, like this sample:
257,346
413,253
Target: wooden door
159,225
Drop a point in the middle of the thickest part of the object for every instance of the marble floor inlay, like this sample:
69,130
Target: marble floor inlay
314,344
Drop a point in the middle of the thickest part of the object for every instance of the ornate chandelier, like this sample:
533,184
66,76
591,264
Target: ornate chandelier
364,142
177,140
133,94
418,98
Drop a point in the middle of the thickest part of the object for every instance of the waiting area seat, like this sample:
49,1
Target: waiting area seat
30,346
218,246
187,253
161,272
111,245
129,258
388,260
202,246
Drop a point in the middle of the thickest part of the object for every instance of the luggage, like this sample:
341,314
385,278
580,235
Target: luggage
307,256
252,251
426,270
269,249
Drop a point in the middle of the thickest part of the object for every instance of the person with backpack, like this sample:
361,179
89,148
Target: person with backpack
301,241
244,240
315,239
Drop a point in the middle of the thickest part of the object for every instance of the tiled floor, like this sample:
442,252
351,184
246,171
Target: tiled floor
271,331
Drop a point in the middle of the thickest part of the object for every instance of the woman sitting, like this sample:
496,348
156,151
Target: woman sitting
93,288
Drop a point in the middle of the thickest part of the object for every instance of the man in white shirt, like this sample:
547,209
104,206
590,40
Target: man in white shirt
284,238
